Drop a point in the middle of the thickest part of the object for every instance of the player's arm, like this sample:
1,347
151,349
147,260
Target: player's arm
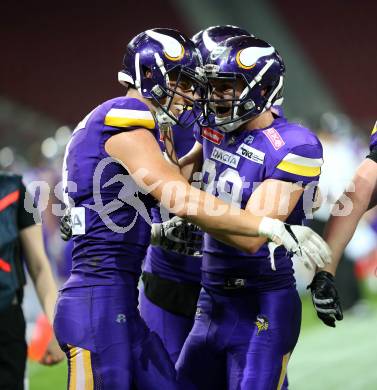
274,199
40,272
36,259
340,229
39,268
192,162
168,140
138,151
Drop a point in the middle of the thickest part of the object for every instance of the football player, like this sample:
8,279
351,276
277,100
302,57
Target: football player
113,168
171,279
339,231
249,312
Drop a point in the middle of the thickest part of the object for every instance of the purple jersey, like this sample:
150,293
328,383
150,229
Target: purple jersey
164,263
233,164
373,138
111,234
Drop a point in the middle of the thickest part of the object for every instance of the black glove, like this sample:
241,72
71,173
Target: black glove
325,298
178,235
66,226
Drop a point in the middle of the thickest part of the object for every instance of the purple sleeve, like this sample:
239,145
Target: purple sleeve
302,164
126,114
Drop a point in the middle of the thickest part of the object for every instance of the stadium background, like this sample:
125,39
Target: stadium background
59,60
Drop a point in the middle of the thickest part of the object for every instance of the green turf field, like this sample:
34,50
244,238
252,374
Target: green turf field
344,358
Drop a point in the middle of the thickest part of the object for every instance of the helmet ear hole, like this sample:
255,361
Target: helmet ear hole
147,72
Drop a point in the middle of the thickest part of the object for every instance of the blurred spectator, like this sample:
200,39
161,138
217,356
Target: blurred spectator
20,236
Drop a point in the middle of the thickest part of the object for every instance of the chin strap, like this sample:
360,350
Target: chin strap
164,120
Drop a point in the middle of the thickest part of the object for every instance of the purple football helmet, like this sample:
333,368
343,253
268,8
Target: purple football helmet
257,67
206,40
155,57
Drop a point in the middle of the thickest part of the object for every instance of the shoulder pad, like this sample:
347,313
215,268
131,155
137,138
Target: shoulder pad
300,165
129,112
300,152
287,136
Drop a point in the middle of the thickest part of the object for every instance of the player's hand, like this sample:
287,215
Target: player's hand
53,354
179,236
311,249
325,298
66,226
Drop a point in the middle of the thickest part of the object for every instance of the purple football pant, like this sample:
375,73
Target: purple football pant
107,343
241,342
173,329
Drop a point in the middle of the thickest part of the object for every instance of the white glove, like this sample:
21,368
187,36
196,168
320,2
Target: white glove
300,240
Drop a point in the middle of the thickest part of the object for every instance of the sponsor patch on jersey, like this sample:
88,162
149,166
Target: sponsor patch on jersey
78,220
274,137
212,135
225,157
251,153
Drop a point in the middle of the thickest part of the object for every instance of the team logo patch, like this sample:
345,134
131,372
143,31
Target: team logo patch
121,318
251,153
225,157
261,323
249,139
275,138
232,140
234,284
212,135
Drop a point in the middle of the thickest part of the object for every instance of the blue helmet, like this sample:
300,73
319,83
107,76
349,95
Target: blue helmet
206,40
260,70
153,56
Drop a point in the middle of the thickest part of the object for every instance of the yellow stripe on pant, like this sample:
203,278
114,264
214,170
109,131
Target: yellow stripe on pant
89,382
284,364
72,367
80,373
